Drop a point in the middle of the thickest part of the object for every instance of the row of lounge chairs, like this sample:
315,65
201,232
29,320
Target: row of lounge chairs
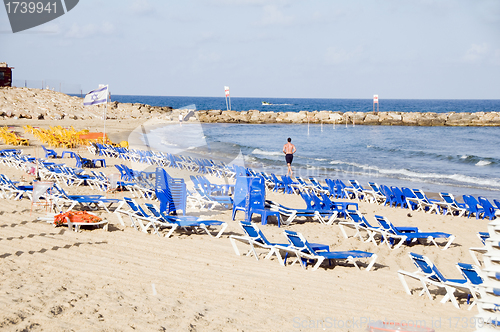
414,199
318,203
385,232
303,251
172,196
160,159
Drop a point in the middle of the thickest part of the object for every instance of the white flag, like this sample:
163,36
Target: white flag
96,97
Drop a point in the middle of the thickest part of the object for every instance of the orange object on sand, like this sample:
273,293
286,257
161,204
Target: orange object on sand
94,137
79,216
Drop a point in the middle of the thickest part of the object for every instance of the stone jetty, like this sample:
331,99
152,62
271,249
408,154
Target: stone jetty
19,103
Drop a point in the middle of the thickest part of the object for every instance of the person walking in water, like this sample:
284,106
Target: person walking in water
289,149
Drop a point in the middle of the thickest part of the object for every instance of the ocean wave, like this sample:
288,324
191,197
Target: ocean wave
267,153
483,163
165,142
409,153
393,172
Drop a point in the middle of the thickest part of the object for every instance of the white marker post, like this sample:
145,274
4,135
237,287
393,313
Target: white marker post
226,91
105,113
375,101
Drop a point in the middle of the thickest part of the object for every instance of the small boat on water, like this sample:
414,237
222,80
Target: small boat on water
266,103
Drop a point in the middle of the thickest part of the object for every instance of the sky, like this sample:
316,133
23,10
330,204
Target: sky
398,49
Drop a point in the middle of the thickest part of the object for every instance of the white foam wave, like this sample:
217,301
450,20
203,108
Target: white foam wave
267,153
165,142
492,182
191,148
464,156
483,163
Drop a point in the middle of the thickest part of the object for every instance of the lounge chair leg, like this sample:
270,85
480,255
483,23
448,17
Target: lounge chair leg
351,260
174,227
318,263
372,262
451,239
403,282
343,231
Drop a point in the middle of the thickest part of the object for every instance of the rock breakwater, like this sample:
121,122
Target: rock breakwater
19,103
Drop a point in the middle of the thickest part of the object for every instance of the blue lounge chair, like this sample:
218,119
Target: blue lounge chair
186,222
390,198
355,191
292,213
428,275
375,195
305,252
450,206
424,203
489,209
472,206
410,198
139,219
223,200
90,202
278,184
357,221
240,193
255,202
409,234
399,198
255,238
318,187
11,189
341,187
49,153
483,236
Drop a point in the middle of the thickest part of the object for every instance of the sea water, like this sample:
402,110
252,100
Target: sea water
318,104
459,160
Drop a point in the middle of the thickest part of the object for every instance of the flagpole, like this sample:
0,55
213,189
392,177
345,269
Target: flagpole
105,112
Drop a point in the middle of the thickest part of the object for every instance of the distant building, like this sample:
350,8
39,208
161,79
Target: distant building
5,74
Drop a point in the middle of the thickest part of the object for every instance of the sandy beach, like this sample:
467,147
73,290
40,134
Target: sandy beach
123,280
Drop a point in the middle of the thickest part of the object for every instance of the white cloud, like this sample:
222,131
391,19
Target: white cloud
142,7
476,53
336,56
275,16
90,30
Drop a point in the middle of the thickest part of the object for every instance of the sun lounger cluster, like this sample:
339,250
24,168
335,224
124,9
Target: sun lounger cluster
489,289
303,252
160,159
427,274
414,199
165,214
250,198
478,286
172,196
383,231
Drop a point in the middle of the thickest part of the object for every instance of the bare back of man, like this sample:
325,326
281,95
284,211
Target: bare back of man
289,149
